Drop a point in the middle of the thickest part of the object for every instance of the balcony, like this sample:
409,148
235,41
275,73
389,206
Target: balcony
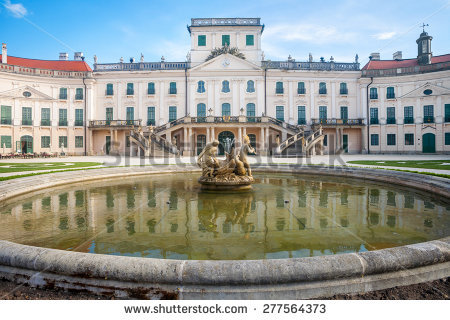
78,97
114,123
6,121
374,121
27,122
79,123
390,121
337,122
45,122
390,96
408,120
62,123
428,119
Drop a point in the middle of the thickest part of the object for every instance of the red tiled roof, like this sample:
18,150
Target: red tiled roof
61,65
392,64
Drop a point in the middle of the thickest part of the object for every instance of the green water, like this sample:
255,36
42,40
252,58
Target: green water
168,216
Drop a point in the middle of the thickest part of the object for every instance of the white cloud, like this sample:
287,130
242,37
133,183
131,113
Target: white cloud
384,35
16,9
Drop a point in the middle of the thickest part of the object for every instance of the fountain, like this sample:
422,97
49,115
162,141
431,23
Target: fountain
231,174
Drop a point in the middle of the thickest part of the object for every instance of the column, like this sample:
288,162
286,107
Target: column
244,131
213,134
191,149
208,135
185,141
267,141
261,141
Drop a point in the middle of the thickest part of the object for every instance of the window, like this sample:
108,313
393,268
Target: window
62,141
45,116
201,112
225,86
200,86
62,117
130,89
251,113
172,113
78,141
390,94
79,94
322,88
447,113
447,139
6,142
280,113
6,115
325,140
373,93
151,116
344,114
250,86
391,139
45,141
173,88
373,115
428,114
279,88
374,140
249,40
343,88
409,139
226,109
301,88
322,113
301,112
201,42
151,88
109,115
63,93
390,115
26,116
109,89
225,40
79,117
408,115
130,115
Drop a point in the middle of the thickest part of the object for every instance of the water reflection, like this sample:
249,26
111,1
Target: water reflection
169,217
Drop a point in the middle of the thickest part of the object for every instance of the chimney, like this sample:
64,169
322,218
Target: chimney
375,55
78,56
4,53
63,56
397,55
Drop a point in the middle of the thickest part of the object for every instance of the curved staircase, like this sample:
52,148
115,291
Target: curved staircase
152,145
308,140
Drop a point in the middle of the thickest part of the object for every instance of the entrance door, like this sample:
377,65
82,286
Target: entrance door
429,143
345,142
201,143
226,139
26,143
108,144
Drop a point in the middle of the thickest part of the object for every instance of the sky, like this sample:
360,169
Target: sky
113,29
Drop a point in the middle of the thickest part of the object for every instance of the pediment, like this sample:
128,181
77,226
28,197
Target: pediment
21,93
226,62
419,92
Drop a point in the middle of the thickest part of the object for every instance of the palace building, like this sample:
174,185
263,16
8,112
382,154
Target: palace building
226,89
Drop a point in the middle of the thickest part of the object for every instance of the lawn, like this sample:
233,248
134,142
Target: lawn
37,166
424,164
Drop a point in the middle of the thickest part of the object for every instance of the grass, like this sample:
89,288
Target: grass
423,164
37,166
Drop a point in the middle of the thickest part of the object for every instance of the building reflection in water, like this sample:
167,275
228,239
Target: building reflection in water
169,217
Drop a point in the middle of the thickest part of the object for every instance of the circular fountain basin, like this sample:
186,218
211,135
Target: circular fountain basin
299,233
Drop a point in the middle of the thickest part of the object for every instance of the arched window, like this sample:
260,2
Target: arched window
322,88
226,109
225,86
200,86
251,112
250,86
201,112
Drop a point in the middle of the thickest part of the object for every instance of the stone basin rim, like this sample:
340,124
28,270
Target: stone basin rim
15,256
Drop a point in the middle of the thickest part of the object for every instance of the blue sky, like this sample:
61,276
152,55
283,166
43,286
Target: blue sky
113,29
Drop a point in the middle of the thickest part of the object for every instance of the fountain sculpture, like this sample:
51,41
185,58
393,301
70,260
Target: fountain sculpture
232,174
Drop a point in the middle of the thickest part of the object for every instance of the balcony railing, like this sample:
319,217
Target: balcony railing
114,123
408,120
6,121
390,96
335,122
27,122
390,121
62,123
136,66
374,96
78,97
374,121
326,66
45,122
344,91
79,123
